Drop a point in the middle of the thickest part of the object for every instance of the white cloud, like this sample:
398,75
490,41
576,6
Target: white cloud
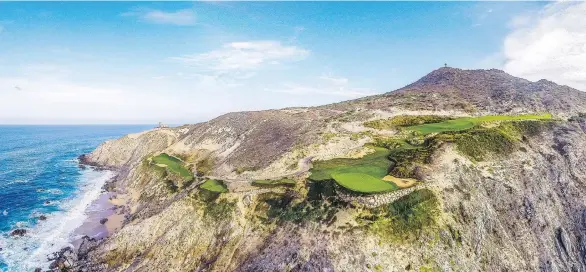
248,55
48,94
296,89
334,80
181,17
329,85
552,46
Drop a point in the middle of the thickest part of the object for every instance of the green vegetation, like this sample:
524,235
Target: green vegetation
172,163
405,120
274,183
210,190
284,208
241,170
405,160
220,210
375,164
171,187
363,183
405,219
363,175
399,157
213,185
468,123
328,136
479,143
392,143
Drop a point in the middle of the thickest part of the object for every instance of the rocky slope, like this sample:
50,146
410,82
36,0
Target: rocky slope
477,91
522,211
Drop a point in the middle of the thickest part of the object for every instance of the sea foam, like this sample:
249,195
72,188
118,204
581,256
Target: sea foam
46,237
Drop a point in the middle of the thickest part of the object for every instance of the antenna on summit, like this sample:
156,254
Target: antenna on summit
445,65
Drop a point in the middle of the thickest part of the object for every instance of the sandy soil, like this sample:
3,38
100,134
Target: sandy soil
109,206
401,182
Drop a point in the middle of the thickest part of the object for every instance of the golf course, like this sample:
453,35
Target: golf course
465,123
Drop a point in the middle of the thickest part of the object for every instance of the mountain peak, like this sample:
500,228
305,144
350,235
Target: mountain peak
449,75
491,91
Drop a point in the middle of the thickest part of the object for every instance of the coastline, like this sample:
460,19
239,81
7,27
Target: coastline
60,229
106,214
50,198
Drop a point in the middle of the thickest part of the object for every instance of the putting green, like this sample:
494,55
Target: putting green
172,163
214,186
363,183
375,164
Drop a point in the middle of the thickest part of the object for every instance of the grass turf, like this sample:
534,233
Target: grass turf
213,185
375,164
363,183
470,122
172,163
362,175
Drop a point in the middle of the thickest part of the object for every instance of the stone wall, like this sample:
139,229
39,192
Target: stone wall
375,200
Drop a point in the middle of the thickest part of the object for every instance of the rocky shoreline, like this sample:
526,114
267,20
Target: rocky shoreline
104,219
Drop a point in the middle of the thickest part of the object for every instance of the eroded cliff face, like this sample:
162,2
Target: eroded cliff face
525,211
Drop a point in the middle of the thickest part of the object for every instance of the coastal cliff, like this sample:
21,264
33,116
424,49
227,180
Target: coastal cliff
501,196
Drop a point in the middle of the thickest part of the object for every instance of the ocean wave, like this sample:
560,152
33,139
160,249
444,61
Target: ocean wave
54,191
15,182
51,203
30,251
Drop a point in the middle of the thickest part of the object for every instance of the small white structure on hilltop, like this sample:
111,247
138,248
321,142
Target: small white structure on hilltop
161,125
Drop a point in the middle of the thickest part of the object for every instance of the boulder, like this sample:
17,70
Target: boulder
18,232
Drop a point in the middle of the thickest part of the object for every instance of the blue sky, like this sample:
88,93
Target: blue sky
179,62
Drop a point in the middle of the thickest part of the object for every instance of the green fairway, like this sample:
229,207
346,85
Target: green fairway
270,182
362,175
173,164
470,122
213,185
363,183
375,164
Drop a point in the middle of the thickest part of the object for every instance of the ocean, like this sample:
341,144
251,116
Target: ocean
40,175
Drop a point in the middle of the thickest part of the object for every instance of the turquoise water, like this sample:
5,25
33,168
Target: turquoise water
40,175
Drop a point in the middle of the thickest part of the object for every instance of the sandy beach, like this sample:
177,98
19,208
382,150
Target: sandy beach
107,206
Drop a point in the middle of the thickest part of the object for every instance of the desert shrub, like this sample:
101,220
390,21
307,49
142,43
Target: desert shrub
219,210
478,144
171,187
205,166
290,207
391,143
267,183
321,190
328,136
187,183
405,120
240,170
405,219
302,212
405,160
